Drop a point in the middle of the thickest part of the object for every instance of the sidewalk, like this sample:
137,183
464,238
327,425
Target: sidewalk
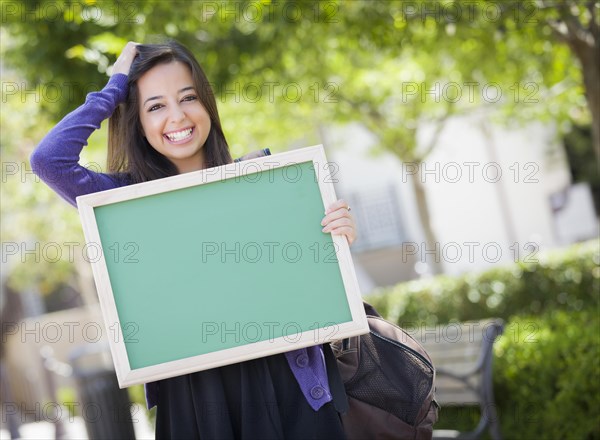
75,429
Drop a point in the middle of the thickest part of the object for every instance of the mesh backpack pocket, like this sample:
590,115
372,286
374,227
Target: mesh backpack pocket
389,381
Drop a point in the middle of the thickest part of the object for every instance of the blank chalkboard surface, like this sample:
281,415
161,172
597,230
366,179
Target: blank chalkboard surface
219,266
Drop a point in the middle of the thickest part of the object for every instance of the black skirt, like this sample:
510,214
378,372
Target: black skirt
257,399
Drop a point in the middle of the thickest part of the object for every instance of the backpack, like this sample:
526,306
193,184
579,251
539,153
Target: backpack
389,381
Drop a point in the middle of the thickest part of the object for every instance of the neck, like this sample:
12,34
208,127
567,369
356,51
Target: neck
190,164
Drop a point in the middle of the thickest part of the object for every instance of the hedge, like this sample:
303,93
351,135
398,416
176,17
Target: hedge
567,280
547,378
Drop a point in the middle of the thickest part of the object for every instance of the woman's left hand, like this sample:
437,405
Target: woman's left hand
339,221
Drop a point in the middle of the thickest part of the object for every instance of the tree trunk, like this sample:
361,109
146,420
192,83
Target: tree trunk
431,242
591,79
501,193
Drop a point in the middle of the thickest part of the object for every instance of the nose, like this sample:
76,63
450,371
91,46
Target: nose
177,114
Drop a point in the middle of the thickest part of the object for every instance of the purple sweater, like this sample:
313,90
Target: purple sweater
56,162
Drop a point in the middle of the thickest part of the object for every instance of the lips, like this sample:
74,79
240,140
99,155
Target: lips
179,136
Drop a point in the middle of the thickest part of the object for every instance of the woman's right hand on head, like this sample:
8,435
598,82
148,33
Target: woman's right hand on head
124,61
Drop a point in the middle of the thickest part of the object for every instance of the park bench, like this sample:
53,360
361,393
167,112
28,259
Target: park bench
462,356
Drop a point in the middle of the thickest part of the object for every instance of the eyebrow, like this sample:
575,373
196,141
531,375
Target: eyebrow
179,91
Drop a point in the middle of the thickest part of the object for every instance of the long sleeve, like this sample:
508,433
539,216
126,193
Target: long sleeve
56,158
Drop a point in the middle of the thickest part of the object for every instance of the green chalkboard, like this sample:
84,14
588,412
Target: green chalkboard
225,264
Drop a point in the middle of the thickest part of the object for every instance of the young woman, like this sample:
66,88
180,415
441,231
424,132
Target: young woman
165,122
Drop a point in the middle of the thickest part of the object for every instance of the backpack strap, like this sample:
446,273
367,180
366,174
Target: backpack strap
336,385
370,310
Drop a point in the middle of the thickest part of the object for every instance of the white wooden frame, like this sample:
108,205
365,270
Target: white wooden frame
128,376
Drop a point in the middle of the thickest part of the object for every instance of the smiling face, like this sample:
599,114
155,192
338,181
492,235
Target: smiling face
174,121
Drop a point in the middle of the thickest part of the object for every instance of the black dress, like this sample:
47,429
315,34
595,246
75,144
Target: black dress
257,399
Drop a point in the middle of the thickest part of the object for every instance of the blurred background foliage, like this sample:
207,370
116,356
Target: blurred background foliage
547,376
364,49
566,279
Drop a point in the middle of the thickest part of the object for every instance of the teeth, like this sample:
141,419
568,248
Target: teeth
179,135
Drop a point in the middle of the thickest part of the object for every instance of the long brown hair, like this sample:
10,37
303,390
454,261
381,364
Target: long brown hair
128,150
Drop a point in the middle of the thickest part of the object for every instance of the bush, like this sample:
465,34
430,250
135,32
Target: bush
567,279
547,376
